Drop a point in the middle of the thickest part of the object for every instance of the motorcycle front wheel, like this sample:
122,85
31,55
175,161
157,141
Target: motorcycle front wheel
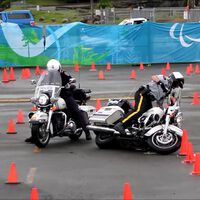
164,144
104,140
40,136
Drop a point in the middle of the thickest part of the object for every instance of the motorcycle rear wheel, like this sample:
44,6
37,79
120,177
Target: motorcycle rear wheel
40,136
164,146
104,140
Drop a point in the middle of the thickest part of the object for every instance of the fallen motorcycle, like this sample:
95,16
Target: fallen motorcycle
158,130
48,119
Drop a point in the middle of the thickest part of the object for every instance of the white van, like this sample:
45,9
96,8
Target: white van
133,21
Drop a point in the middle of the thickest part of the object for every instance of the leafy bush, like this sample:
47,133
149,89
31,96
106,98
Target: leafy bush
104,4
4,4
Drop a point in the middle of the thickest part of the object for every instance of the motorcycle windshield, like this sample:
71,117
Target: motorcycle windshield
49,83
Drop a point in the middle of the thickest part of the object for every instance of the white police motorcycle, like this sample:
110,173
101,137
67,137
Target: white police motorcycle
48,118
158,130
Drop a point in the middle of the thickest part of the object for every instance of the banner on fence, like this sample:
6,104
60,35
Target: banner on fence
85,44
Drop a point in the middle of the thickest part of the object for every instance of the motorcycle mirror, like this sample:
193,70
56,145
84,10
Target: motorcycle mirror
33,82
33,99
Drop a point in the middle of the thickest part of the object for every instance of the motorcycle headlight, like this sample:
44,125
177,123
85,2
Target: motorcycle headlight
43,99
179,119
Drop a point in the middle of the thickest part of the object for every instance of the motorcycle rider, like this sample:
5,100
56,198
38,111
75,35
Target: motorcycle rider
147,95
66,94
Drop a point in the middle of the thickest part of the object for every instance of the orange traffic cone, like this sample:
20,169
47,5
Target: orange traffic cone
5,76
141,66
196,167
101,75
12,176
191,68
197,70
34,194
190,154
12,75
187,72
133,74
37,70
168,66
43,71
76,68
20,117
184,143
23,74
108,67
28,72
133,103
163,71
195,100
11,127
93,68
98,104
127,194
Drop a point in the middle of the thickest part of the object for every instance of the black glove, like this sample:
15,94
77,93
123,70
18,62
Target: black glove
72,87
152,98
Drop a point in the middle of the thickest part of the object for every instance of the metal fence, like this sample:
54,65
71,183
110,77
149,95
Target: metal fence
114,16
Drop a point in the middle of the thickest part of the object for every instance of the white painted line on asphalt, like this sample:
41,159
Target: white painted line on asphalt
31,175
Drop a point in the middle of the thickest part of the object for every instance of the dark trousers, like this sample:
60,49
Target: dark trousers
75,112
142,104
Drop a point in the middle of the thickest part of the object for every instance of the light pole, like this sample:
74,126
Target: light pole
92,9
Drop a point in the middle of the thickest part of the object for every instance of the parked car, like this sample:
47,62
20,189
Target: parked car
133,21
21,17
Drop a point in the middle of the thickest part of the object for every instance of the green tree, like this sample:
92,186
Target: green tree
104,4
191,3
30,36
4,4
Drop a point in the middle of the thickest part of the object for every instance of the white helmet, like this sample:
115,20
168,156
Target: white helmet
53,64
176,79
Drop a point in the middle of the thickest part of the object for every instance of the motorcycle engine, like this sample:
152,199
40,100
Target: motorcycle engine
58,121
151,118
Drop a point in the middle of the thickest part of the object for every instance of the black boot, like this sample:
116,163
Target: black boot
29,140
88,136
120,128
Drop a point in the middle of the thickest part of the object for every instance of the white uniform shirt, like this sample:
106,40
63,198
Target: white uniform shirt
156,90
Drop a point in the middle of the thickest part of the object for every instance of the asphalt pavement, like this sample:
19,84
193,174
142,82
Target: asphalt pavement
79,170
116,83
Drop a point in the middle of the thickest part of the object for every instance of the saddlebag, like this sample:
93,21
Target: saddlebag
122,103
90,110
107,115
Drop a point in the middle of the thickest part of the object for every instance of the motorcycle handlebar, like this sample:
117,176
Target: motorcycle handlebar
87,91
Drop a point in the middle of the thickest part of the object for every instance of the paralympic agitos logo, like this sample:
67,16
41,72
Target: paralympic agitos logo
185,40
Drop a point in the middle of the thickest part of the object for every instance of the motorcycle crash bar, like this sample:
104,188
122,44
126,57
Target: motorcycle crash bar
103,129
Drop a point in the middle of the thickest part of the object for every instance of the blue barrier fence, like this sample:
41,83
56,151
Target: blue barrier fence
82,43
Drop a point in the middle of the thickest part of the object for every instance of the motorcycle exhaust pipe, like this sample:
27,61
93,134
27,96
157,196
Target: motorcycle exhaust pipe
104,129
